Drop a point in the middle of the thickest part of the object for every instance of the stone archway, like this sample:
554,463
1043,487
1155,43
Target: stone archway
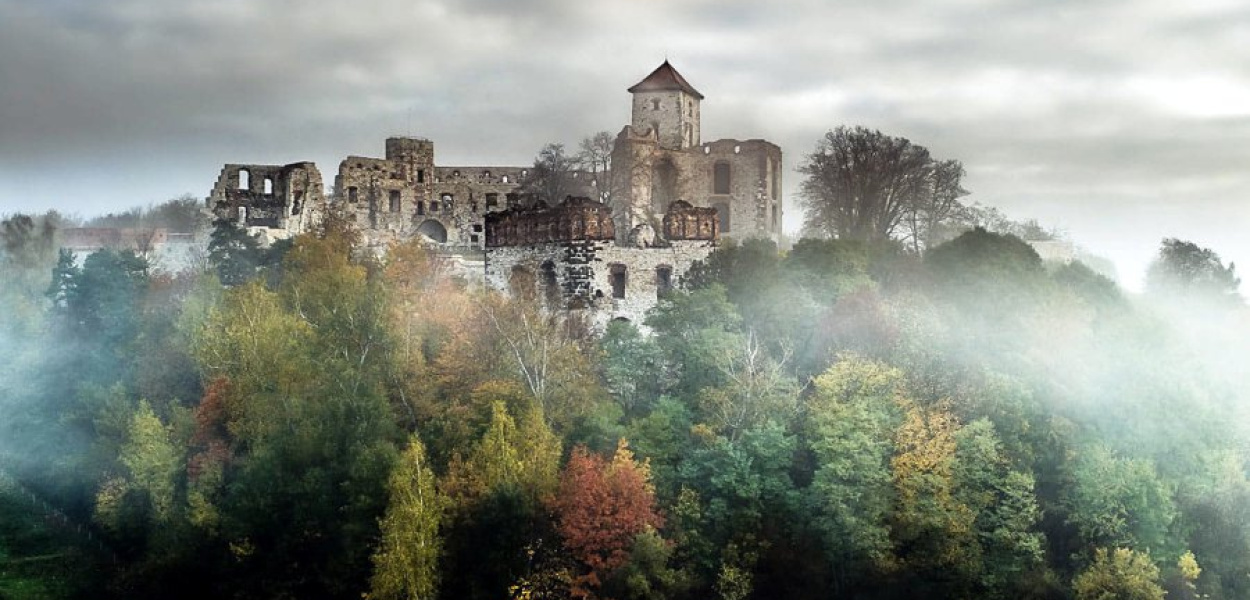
433,231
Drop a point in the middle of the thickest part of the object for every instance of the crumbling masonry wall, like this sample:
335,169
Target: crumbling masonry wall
405,195
569,258
578,274
284,200
739,178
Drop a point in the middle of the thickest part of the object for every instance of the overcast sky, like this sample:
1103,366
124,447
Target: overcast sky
1119,122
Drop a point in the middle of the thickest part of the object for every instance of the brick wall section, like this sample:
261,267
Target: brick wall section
574,219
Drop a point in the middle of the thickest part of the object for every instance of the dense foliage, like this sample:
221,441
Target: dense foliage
847,418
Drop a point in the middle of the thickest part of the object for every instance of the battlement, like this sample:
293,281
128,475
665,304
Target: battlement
574,219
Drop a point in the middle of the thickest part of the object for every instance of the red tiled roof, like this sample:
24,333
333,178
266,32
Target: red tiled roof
664,79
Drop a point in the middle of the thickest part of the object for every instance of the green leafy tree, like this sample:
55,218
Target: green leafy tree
405,566
1121,502
853,412
1185,269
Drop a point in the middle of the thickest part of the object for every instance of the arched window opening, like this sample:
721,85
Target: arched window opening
618,278
505,179
268,186
420,175
720,178
353,194
433,230
394,200
245,179
420,207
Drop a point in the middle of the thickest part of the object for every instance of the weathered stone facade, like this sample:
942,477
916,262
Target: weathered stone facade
672,197
659,159
405,195
276,200
569,258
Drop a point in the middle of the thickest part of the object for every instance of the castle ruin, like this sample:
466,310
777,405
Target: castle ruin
671,198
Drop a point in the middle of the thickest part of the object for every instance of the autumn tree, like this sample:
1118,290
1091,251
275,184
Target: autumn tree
601,508
405,566
1122,574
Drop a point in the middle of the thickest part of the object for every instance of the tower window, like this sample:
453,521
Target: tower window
245,179
655,104
447,202
420,175
268,186
617,277
394,198
352,194
420,207
720,178
492,200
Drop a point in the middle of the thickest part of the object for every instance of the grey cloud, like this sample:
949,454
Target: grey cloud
1060,109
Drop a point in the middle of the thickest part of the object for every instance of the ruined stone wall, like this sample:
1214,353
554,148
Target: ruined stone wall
575,219
647,179
284,198
754,198
577,275
405,195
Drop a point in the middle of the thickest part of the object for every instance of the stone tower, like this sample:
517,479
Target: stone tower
664,102
659,159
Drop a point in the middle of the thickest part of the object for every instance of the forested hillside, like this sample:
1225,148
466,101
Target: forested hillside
842,419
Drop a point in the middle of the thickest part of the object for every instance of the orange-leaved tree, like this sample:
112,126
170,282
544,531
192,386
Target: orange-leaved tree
601,507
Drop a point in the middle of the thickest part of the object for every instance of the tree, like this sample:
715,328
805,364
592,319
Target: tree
1184,269
601,508
595,156
235,254
927,221
549,178
1119,501
1120,574
757,389
405,566
862,184
854,411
